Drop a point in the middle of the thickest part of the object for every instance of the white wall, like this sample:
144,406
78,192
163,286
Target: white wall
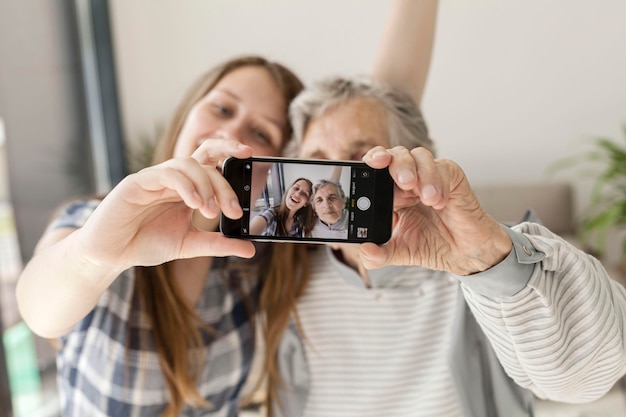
514,84
4,183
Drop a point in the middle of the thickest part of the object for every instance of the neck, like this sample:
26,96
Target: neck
190,275
329,224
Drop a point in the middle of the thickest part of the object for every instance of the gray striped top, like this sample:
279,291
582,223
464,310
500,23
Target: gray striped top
554,318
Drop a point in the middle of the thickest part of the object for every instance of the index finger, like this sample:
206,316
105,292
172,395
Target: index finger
377,157
432,190
212,151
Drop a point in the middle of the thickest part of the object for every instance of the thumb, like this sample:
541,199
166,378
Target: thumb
374,256
215,244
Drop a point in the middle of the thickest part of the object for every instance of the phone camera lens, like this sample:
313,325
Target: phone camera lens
365,174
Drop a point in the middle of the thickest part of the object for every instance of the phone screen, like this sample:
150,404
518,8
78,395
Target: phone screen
309,200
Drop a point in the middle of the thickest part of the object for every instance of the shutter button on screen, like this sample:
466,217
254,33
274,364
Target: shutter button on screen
363,203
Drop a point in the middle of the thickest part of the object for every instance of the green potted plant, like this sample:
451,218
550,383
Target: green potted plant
605,163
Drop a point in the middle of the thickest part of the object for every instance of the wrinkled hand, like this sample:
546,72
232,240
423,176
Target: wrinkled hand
147,218
439,222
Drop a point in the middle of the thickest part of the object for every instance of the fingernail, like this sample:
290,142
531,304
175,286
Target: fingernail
428,192
405,176
379,154
211,204
234,203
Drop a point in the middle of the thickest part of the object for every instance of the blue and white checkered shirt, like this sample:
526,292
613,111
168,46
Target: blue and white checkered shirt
271,217
104,371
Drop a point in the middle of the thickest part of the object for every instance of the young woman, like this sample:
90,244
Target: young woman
148,320
293,217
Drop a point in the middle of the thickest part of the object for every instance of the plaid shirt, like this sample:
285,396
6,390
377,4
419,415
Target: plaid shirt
271,217
104,371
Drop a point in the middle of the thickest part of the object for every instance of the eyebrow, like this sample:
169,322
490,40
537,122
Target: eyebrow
327,195
363,143
358,145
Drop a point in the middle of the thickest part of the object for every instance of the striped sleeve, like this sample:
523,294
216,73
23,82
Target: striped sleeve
562,334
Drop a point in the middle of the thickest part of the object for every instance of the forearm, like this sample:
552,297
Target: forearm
59,286
562,334
258,225
404,53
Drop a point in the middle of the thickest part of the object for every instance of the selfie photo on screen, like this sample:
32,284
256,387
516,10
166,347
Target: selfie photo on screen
301,201
310,200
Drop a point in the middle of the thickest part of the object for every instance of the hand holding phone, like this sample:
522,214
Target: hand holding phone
305,200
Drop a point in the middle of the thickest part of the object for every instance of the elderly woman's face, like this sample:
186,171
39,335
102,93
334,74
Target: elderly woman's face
328,204
346,131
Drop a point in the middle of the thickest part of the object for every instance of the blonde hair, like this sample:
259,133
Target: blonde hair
287,278
175,324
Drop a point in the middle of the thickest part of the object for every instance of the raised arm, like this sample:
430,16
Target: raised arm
335,173
404,53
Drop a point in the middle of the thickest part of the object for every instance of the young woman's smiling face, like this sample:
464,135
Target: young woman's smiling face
246,105
298,195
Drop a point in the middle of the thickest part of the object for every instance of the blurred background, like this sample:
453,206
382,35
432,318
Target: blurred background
86,86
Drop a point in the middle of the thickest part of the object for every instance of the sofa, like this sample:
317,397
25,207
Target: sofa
553,203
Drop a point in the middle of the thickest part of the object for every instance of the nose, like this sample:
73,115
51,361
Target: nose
222,134
337,155
231,130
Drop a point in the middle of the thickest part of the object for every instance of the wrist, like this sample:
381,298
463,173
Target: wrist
487,255
89,269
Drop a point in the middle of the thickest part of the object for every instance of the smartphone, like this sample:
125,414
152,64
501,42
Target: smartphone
309,200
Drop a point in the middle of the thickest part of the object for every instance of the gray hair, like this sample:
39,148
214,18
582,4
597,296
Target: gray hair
324,183
405,123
